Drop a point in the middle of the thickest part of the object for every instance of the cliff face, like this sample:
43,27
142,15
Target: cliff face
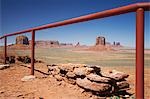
46,43
22,40
100,40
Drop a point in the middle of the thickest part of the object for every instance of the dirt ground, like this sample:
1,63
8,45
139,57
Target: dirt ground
46,87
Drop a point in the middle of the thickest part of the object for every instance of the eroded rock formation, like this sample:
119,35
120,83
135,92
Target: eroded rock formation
46,43
90,78
22,40
100,40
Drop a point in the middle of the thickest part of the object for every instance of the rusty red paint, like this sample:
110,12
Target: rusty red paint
32,52
140,53
5,49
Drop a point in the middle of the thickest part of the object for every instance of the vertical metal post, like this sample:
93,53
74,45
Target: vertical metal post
32,52
140,53
5,49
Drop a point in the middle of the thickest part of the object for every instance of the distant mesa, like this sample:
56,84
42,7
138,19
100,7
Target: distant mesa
22,40
47,43
101,44
100,40
66,44
116,43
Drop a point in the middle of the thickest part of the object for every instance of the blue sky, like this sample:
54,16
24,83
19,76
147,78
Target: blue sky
17,15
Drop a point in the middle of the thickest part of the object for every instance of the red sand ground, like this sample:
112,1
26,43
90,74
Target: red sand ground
11,86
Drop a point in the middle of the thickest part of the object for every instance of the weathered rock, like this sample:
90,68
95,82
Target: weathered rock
54,70
122,84
10,59
47,43
73,65
27,60
126,96
4,66
100,40
116,75
83,71
24,59
89,78
70,81
66,67
79,65
22,40
28,78
58,77
20,58
96,68
97,78
71,75
93,86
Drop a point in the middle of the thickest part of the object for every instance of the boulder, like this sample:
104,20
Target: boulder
22,40
66,67
70,75
122,84
83,71
97,78
54,70
93,86
19,58
24,59
27,59
4,66
97,69
90,79
10,59
118,76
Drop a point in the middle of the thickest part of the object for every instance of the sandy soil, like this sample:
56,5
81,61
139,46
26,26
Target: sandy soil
46,87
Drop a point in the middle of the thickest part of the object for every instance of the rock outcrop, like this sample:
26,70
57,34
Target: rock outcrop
4,66
90,78
22,40
47,43
100,40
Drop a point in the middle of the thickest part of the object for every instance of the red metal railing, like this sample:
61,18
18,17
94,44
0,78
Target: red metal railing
139,8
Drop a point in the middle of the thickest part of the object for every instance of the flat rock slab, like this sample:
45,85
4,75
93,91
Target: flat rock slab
71,75
123,84
28,78
116,75
97,78
93,86
83,71
66,67
54,70
4,66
